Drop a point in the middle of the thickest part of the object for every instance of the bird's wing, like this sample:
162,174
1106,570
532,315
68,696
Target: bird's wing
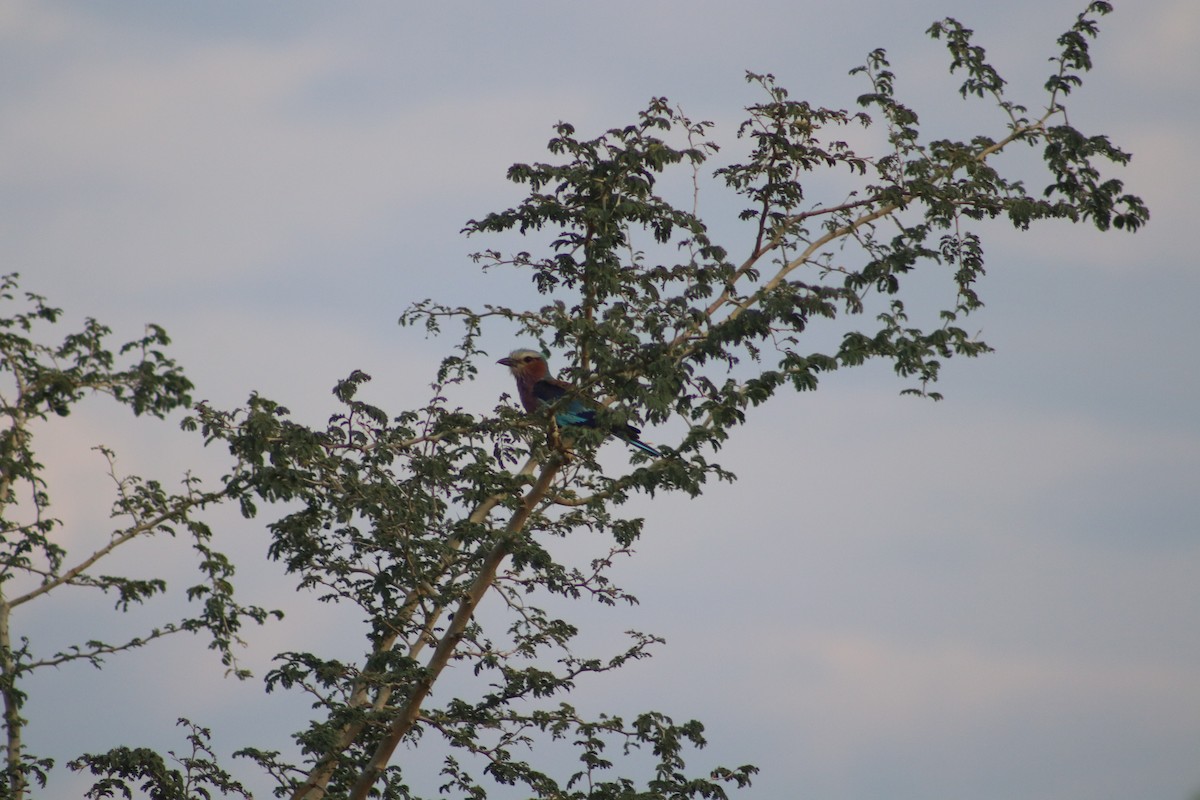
549,390
575,411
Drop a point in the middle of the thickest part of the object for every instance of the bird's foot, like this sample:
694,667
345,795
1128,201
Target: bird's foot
556,444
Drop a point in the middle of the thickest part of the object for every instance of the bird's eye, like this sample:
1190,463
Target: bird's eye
528,359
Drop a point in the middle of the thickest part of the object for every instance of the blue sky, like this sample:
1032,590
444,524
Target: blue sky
995,596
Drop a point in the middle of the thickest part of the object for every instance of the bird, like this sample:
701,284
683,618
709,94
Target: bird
538,391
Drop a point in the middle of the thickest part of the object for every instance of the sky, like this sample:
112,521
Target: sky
994,596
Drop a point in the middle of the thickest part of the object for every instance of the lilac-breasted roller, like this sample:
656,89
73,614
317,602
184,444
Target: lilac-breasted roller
538,390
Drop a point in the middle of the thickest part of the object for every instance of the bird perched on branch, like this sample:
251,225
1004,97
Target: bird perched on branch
538,391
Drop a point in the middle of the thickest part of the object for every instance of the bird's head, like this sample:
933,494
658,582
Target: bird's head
529,365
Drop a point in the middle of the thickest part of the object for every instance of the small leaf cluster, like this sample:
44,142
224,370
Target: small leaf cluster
125,770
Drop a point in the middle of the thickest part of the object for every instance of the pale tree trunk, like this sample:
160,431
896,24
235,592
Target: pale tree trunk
15,777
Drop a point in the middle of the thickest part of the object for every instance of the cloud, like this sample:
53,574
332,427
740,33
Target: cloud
152,169
1173,26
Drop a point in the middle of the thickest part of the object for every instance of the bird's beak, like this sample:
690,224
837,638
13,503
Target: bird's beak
508,362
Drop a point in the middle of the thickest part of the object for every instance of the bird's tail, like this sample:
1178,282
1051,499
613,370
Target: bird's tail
645,448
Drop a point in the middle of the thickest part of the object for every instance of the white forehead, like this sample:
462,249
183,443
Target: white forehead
521,355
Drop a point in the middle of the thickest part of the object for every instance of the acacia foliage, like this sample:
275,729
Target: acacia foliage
412,520
42,380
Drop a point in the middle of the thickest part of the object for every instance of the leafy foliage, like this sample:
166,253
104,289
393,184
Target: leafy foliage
200,777
413,518
42,382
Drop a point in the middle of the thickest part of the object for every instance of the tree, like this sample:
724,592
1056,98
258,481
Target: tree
415,519
42,381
